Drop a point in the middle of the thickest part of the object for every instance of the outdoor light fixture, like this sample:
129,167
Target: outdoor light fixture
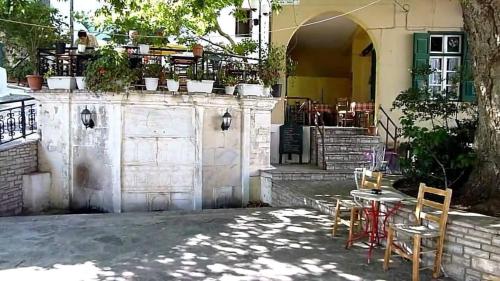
226,121
86,116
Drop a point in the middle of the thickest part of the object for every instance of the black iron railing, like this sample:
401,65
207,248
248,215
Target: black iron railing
17,119
390,128
71,63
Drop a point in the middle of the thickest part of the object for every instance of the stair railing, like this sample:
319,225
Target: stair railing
390,128
318,118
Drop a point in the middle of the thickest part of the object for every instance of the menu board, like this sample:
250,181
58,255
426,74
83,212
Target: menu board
291,140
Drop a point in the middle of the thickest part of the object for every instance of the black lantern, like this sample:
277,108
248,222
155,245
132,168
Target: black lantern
87,118
226,121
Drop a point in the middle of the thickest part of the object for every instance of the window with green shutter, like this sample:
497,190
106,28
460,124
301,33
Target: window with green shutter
446,54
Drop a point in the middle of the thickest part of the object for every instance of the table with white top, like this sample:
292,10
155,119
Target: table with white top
373,213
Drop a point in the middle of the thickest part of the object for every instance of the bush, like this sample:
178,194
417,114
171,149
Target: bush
108,71
439,132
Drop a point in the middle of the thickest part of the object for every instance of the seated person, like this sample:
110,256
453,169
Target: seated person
88,40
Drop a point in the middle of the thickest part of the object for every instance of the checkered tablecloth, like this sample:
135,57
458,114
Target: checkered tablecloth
365,106
321,107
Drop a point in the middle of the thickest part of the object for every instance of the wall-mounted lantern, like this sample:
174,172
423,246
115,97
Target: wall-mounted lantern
86,116
226,121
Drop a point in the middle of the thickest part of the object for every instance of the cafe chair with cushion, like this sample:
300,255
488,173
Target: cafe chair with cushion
369,180
430,223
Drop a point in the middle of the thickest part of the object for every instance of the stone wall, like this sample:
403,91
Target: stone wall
16,160
472,242
152,151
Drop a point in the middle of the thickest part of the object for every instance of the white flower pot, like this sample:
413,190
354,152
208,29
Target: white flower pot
144,49
80,82
61,83
151,84
204,86
230,90
172,85
250,89
82,48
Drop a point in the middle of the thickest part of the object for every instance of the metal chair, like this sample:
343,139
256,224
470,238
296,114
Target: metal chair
369,180
422,229
345,112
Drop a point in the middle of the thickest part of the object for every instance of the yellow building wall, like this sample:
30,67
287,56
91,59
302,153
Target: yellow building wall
322,62
387,28
361,67
313,87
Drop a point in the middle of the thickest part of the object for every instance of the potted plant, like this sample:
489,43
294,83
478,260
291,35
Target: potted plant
143,42
28,38
196,83
272,67
172,81
108,71
59,82
251,87
197,50
151,73
230,83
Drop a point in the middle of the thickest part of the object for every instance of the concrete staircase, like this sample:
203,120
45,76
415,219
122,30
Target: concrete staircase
346,148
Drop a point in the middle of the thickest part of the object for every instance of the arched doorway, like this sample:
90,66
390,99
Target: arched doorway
336,59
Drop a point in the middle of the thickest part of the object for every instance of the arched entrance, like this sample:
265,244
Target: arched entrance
336,59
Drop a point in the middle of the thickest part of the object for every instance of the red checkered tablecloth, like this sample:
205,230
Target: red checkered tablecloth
365,106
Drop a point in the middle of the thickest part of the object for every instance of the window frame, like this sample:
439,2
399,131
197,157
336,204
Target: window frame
248,22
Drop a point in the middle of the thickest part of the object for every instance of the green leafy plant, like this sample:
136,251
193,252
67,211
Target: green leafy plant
172,75
229,80
51,72
194,75
438,139
273,65
152,70
108,71
45,24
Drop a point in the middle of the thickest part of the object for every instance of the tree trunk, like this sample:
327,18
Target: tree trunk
482,25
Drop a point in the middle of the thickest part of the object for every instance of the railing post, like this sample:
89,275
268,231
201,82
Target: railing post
23,119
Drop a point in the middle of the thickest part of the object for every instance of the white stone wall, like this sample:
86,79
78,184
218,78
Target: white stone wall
152,151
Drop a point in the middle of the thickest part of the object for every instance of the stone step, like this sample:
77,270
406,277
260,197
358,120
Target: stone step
342,131
347,165
347,156
322,176
345,148
350,140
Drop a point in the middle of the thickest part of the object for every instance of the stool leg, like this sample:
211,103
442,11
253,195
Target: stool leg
388,249
416,258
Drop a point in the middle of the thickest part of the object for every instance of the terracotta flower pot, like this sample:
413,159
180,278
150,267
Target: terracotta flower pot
372,130
197,50
35,82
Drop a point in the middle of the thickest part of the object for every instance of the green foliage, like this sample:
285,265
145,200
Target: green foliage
108,71
439,132
245,47
20,70
152,70
51,72
24,40
194,75
273,65
171,75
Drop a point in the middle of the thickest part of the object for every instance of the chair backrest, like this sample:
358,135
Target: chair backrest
342,104
370,179
443,208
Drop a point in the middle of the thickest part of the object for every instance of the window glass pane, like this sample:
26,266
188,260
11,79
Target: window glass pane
435,78
452,64
453,44
436,63
451,77
437,44
436,89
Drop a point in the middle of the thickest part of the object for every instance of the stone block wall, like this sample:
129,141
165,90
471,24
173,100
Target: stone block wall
16,160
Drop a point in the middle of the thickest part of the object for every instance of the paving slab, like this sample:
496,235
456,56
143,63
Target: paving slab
230,244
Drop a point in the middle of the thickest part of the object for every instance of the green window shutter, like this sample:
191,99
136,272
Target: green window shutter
467,85
420,57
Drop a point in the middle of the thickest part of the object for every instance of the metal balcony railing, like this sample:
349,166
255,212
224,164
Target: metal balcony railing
17,119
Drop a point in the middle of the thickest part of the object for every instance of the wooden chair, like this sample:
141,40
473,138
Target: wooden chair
422,229
369,180
345,113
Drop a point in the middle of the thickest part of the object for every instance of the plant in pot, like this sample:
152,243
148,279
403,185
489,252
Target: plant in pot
143,42
196,83
172,81
108,71
151,73
272,67
28,38
252,87
230,83
59,82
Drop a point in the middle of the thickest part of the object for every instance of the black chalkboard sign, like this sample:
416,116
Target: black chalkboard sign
291,140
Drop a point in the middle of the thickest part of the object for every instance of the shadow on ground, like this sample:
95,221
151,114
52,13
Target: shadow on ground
244,244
